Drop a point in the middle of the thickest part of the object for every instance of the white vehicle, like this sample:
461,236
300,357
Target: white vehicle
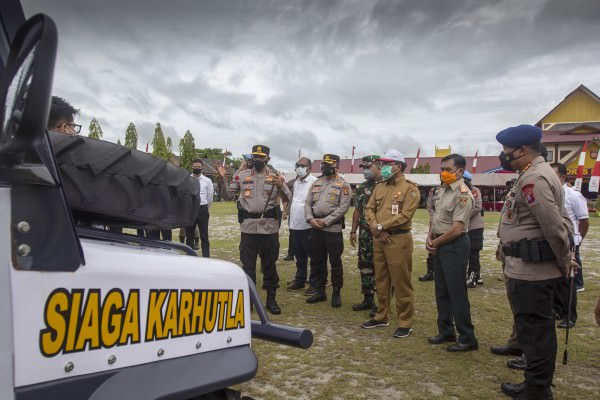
90,314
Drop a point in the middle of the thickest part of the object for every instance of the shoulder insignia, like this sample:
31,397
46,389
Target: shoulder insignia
462,201
464,188
528,194
412,182
236,178
475,193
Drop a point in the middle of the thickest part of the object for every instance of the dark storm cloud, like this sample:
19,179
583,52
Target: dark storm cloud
365,72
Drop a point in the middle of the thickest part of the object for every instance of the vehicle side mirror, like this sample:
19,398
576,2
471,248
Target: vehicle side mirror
26,87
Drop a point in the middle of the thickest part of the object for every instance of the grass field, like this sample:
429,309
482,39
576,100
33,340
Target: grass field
347,362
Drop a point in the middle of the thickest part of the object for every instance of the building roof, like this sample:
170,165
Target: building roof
579,88
484,163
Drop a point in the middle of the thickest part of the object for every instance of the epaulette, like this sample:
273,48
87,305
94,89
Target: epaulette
464,188
412,182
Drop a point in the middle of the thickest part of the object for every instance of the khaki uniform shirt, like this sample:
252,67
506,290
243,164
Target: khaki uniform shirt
476,220
453,202
254,189
433,192
393,203
329,200
534,209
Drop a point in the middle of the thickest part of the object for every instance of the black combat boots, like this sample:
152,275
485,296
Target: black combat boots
272,303
366,304
427,277
336,298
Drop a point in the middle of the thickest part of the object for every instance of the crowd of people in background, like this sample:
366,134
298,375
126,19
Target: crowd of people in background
542,225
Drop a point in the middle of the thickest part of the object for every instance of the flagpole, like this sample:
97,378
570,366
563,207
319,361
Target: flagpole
579,178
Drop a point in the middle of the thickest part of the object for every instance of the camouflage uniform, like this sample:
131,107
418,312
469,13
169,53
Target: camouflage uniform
365,240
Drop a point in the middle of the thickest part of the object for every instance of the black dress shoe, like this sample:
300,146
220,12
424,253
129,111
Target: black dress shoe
459,347
517,363
315,298
439,339
427,277
295,285
505,351
512,389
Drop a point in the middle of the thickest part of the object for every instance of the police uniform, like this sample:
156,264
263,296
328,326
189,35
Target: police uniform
534,244
365,240
476,238
454,203
391,208
328,199
430,204
259,212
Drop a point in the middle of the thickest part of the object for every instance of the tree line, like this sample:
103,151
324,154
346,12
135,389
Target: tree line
163,147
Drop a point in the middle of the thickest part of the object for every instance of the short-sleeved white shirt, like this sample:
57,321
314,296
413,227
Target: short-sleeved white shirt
576,206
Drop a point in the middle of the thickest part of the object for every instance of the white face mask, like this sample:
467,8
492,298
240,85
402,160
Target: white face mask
301,172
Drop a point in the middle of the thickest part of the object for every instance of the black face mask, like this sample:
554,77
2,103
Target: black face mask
197,171
259,165
506,159
328,171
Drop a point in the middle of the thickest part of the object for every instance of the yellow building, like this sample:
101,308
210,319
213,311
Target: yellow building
442,151
573,122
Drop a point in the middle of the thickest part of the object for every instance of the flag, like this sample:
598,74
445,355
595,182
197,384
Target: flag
146,147
417,158
475,163
352,164
595,179
579,178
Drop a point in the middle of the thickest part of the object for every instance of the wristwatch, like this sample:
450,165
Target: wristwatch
379,227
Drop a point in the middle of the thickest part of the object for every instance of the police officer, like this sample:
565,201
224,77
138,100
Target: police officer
389,214
326,204
475,234
260,192
372,174
430,209
449,243
534,244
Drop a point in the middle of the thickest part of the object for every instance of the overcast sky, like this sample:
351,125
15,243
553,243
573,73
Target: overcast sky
322,75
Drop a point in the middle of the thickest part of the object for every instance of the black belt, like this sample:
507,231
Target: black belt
268,214
529,250
203,205
397,231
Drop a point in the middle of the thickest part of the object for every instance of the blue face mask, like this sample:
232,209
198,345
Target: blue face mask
386,172
301,172
368,173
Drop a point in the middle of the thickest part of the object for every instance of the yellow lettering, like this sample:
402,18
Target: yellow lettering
74,309
239,310
52,338
198,311
185,309
224,299
112,316
170,327
211,307
89,331
154,324
131,323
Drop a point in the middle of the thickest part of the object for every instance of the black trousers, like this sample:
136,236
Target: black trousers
476,238
167,234
202,222
532,303
291,244
302,253
327,245
267,247
561,301
451,297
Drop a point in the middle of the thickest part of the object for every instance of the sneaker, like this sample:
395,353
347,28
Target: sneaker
479,281
402,332
580,289
310,291
373,323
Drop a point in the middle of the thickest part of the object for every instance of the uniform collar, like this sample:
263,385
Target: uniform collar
396,178
454,185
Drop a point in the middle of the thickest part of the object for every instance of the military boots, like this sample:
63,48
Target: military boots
272,303
336,298
366,304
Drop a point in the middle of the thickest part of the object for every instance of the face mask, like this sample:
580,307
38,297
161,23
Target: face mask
448,177
259,165
368,173
386,172
505,160
328,171
301,172
197,171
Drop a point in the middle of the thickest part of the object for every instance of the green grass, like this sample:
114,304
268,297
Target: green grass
347,362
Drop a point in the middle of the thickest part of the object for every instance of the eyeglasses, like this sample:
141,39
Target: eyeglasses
75,128
301,166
